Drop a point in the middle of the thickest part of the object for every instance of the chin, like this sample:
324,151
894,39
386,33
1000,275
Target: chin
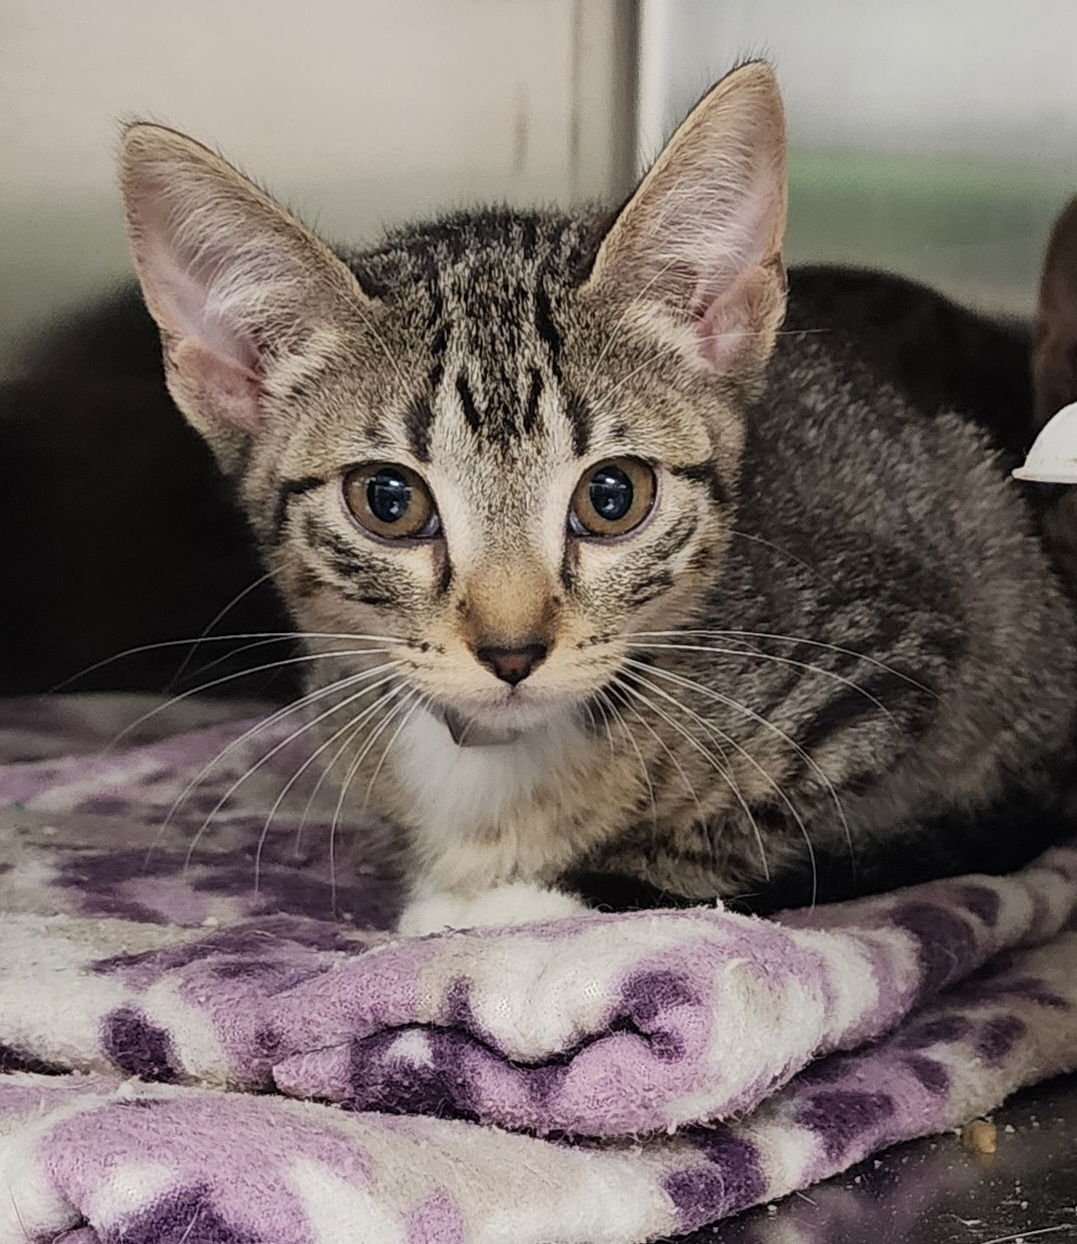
505,717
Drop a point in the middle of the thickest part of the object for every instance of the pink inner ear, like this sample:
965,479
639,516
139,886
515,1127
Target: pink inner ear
180,294
726,324
179,272
214,360
219,384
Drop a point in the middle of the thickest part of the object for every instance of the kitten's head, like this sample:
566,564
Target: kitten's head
502,440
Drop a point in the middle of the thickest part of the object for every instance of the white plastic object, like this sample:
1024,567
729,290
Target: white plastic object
1053,456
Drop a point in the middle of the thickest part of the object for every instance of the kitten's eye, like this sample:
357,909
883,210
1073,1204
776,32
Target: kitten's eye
612,498
391,501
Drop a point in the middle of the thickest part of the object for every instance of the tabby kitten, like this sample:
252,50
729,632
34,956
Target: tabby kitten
612,586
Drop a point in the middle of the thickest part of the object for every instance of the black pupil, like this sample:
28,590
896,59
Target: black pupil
389,496
611,493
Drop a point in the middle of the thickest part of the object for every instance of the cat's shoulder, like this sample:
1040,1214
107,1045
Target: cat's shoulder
870,330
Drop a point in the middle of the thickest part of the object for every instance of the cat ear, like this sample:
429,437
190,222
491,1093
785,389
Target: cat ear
700,240
235,283
1054,349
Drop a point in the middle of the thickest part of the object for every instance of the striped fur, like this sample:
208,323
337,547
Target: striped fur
834,648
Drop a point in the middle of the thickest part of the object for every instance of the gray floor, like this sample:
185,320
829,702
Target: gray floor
934,1192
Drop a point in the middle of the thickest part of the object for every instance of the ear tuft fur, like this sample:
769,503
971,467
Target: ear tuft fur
700,240
232,280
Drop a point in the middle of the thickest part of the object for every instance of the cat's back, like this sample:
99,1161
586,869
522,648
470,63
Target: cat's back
858,434
887,403
914,543
938,354
886,535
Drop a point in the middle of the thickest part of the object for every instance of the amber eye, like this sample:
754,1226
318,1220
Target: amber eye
612,498
391,501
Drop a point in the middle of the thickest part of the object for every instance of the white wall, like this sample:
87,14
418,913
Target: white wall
964,78
934,137
361,112
358,112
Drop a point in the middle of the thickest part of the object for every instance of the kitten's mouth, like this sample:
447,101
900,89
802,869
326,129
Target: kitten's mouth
493,725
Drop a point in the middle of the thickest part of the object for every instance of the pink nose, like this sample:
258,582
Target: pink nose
512,665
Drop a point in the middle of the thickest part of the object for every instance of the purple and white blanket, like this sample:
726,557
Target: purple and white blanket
195,978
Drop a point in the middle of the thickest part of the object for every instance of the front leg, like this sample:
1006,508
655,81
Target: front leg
516,902
487,826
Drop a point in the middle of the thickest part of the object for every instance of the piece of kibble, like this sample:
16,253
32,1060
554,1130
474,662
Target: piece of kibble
979,1136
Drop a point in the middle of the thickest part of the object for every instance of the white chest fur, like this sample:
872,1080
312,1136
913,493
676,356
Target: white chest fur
486,814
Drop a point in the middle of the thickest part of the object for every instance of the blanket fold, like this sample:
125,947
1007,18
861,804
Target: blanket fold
684,1065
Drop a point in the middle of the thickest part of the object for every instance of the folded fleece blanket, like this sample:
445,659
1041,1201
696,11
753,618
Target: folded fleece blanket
209,1037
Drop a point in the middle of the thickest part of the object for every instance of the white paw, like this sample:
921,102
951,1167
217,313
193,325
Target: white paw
519,902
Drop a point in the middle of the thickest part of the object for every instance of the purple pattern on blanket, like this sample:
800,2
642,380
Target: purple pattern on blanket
753,1057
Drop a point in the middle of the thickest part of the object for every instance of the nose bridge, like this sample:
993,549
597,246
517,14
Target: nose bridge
509,605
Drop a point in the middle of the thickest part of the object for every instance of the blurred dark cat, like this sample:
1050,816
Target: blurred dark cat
118,531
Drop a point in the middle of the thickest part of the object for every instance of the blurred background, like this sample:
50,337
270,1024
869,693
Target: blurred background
934,139
937,139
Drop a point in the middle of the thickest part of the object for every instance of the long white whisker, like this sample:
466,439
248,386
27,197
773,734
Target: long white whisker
326,770
220,639
707,755
807,758
284,743
672,755
768,777
601,704
300,659
235,652
792,639
419,703
209,627
349,777
769,656
356,762
639,754
265,722
352,725
777,548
